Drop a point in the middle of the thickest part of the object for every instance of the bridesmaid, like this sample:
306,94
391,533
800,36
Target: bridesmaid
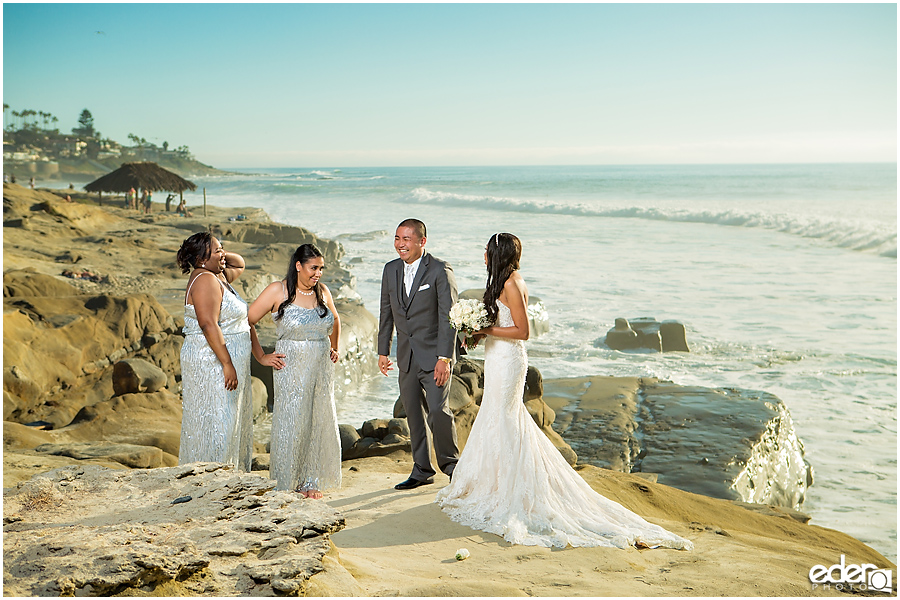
217,420
305,445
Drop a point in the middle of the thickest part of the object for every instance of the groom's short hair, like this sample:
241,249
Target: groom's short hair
416,225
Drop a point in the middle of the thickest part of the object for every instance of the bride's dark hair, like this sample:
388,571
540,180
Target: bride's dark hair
303,254
504,250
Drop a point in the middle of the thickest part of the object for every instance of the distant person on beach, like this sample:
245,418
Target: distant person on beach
417,291
169,199
31,183
305,442
182,209
217,408
12,178
148,202
511,480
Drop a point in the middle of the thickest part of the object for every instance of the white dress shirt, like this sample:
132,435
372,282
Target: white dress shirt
409,273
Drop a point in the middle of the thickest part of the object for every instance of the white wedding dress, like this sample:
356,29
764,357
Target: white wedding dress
512,481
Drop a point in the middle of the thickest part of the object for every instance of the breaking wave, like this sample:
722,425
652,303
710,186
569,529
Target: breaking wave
857,236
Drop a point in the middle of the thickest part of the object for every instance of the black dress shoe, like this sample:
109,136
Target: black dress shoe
411,484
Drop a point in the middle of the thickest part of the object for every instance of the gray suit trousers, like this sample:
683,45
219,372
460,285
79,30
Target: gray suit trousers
425,402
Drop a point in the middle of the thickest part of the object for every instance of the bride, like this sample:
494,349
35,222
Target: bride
510,479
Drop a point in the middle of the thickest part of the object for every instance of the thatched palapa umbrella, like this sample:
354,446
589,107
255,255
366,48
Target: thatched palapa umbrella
140,175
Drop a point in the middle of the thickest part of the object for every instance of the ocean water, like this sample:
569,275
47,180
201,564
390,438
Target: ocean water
785,277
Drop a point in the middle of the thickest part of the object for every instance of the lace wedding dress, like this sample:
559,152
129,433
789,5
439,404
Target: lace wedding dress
512,481
305,444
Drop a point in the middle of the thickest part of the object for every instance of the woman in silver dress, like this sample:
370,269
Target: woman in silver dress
305,445
217,420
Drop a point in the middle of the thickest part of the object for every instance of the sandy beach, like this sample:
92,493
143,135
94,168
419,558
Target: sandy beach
391,543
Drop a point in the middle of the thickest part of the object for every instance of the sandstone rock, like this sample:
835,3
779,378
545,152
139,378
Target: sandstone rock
134,375
357,345
622,336
375,428
674,337
260,462
399,411
724,443
17,436
646,333
260,397
349,437
57,348
130,455
460,395
399,427
149,419
74,531
28,282
154,338
534,384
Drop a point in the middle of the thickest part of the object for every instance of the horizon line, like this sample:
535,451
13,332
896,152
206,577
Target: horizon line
660,164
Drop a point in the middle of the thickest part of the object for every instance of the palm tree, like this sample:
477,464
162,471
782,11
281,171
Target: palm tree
29,113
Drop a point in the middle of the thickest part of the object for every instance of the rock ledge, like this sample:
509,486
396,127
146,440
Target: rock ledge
199,529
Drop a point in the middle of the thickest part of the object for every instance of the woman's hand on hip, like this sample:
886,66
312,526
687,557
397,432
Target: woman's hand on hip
274,360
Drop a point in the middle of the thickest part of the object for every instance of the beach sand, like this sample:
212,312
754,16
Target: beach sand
399,543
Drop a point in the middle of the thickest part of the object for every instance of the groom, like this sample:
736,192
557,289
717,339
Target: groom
417,292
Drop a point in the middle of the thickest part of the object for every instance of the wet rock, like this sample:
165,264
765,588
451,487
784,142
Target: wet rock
647,333
724,443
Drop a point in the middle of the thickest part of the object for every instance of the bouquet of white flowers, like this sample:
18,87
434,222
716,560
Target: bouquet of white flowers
469,316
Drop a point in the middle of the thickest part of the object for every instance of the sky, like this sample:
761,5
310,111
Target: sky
287,85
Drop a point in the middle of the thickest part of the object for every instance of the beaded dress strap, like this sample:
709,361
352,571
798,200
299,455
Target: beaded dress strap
188,292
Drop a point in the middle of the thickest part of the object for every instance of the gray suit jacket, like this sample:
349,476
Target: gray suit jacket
423,328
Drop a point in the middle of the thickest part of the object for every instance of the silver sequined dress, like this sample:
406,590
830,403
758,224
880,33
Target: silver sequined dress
305,445
216,424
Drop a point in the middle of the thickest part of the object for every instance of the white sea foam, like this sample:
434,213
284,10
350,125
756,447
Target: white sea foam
852,235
